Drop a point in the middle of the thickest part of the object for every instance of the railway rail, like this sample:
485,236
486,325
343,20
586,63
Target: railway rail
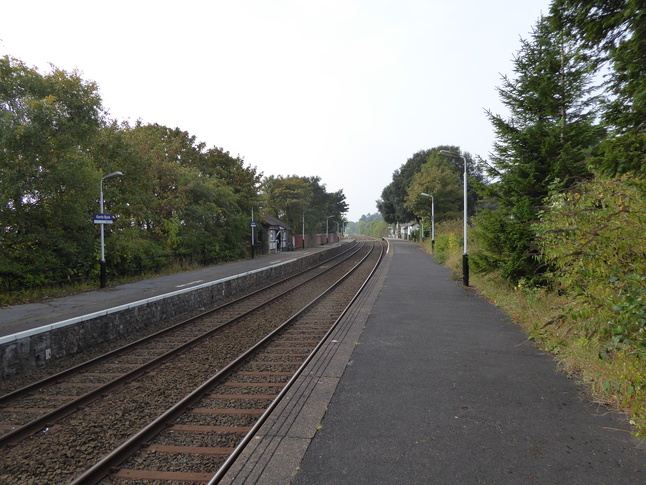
215,375
42,403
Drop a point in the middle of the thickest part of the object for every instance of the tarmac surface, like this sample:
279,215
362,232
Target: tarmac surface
28,316
422,382
425,382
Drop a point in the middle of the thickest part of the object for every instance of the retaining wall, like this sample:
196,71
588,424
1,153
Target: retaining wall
26,351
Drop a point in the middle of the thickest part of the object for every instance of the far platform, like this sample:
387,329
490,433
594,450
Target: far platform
20,318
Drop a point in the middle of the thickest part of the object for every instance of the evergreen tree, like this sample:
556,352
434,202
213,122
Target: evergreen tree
614,32
541,147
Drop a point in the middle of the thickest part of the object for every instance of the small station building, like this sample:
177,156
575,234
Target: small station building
275,235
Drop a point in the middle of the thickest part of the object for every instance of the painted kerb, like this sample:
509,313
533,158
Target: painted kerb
26,351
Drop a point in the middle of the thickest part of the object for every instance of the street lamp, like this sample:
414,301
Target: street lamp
465,256
432,221
102,262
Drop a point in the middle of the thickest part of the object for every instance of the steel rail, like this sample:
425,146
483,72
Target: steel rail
75,369
66,409
111,461
224,468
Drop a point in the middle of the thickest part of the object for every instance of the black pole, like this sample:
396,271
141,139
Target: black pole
465,269
433,246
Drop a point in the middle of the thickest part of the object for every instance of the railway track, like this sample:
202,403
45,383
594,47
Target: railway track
36,406
241,388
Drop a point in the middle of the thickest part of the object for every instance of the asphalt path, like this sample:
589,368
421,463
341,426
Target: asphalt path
443,388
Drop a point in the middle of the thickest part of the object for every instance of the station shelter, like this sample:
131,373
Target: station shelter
278,234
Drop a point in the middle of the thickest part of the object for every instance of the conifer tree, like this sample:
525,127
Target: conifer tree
614,33
541,146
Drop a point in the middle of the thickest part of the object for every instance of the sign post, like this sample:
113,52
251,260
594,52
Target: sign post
253,240
102,219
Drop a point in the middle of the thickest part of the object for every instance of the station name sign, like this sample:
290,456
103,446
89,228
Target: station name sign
103,218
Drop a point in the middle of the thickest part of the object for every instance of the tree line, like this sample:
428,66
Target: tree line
178,199
560,203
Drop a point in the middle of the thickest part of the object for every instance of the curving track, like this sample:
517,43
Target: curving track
227,389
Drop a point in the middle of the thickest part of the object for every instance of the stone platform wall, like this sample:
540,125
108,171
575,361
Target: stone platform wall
26,351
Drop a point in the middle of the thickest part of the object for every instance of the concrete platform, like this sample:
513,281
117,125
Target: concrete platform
20,318
426,382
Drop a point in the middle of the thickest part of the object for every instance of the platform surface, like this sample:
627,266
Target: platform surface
19,318
425,382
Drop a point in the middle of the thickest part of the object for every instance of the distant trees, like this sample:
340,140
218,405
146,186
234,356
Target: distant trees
178,198
372,225
294,199
442,178
393,197
429,172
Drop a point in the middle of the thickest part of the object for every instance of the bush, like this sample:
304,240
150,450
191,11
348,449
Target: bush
593,236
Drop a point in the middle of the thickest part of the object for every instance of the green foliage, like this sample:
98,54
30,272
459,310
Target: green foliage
47,124
542,145
440,181
504,246
429,172
293,198
177,199
622,154
372,225
392,203
593,236
449,244
613,33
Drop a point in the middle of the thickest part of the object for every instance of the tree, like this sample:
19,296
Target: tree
541,147
195,202
287,198
47,179
614,33
392,203
441,177
372,225
426,171
292,198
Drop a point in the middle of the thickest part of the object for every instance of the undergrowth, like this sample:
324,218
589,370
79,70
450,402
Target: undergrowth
614,376
43,293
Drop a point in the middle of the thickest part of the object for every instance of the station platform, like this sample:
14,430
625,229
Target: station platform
29,316
426,382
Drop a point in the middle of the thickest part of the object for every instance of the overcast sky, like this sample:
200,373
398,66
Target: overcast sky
346,90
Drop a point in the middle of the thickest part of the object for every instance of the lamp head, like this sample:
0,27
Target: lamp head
446,153
112,175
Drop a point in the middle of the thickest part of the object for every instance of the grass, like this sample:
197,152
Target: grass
617,381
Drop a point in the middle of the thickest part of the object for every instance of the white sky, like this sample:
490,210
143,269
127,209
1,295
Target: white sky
344,89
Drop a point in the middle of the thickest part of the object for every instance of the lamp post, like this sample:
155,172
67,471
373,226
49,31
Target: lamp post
432,221
465,256
253,235
102,262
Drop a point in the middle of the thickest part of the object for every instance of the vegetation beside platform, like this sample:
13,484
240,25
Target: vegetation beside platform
576,331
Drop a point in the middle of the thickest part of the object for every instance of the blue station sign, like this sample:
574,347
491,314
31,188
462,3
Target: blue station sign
103,218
